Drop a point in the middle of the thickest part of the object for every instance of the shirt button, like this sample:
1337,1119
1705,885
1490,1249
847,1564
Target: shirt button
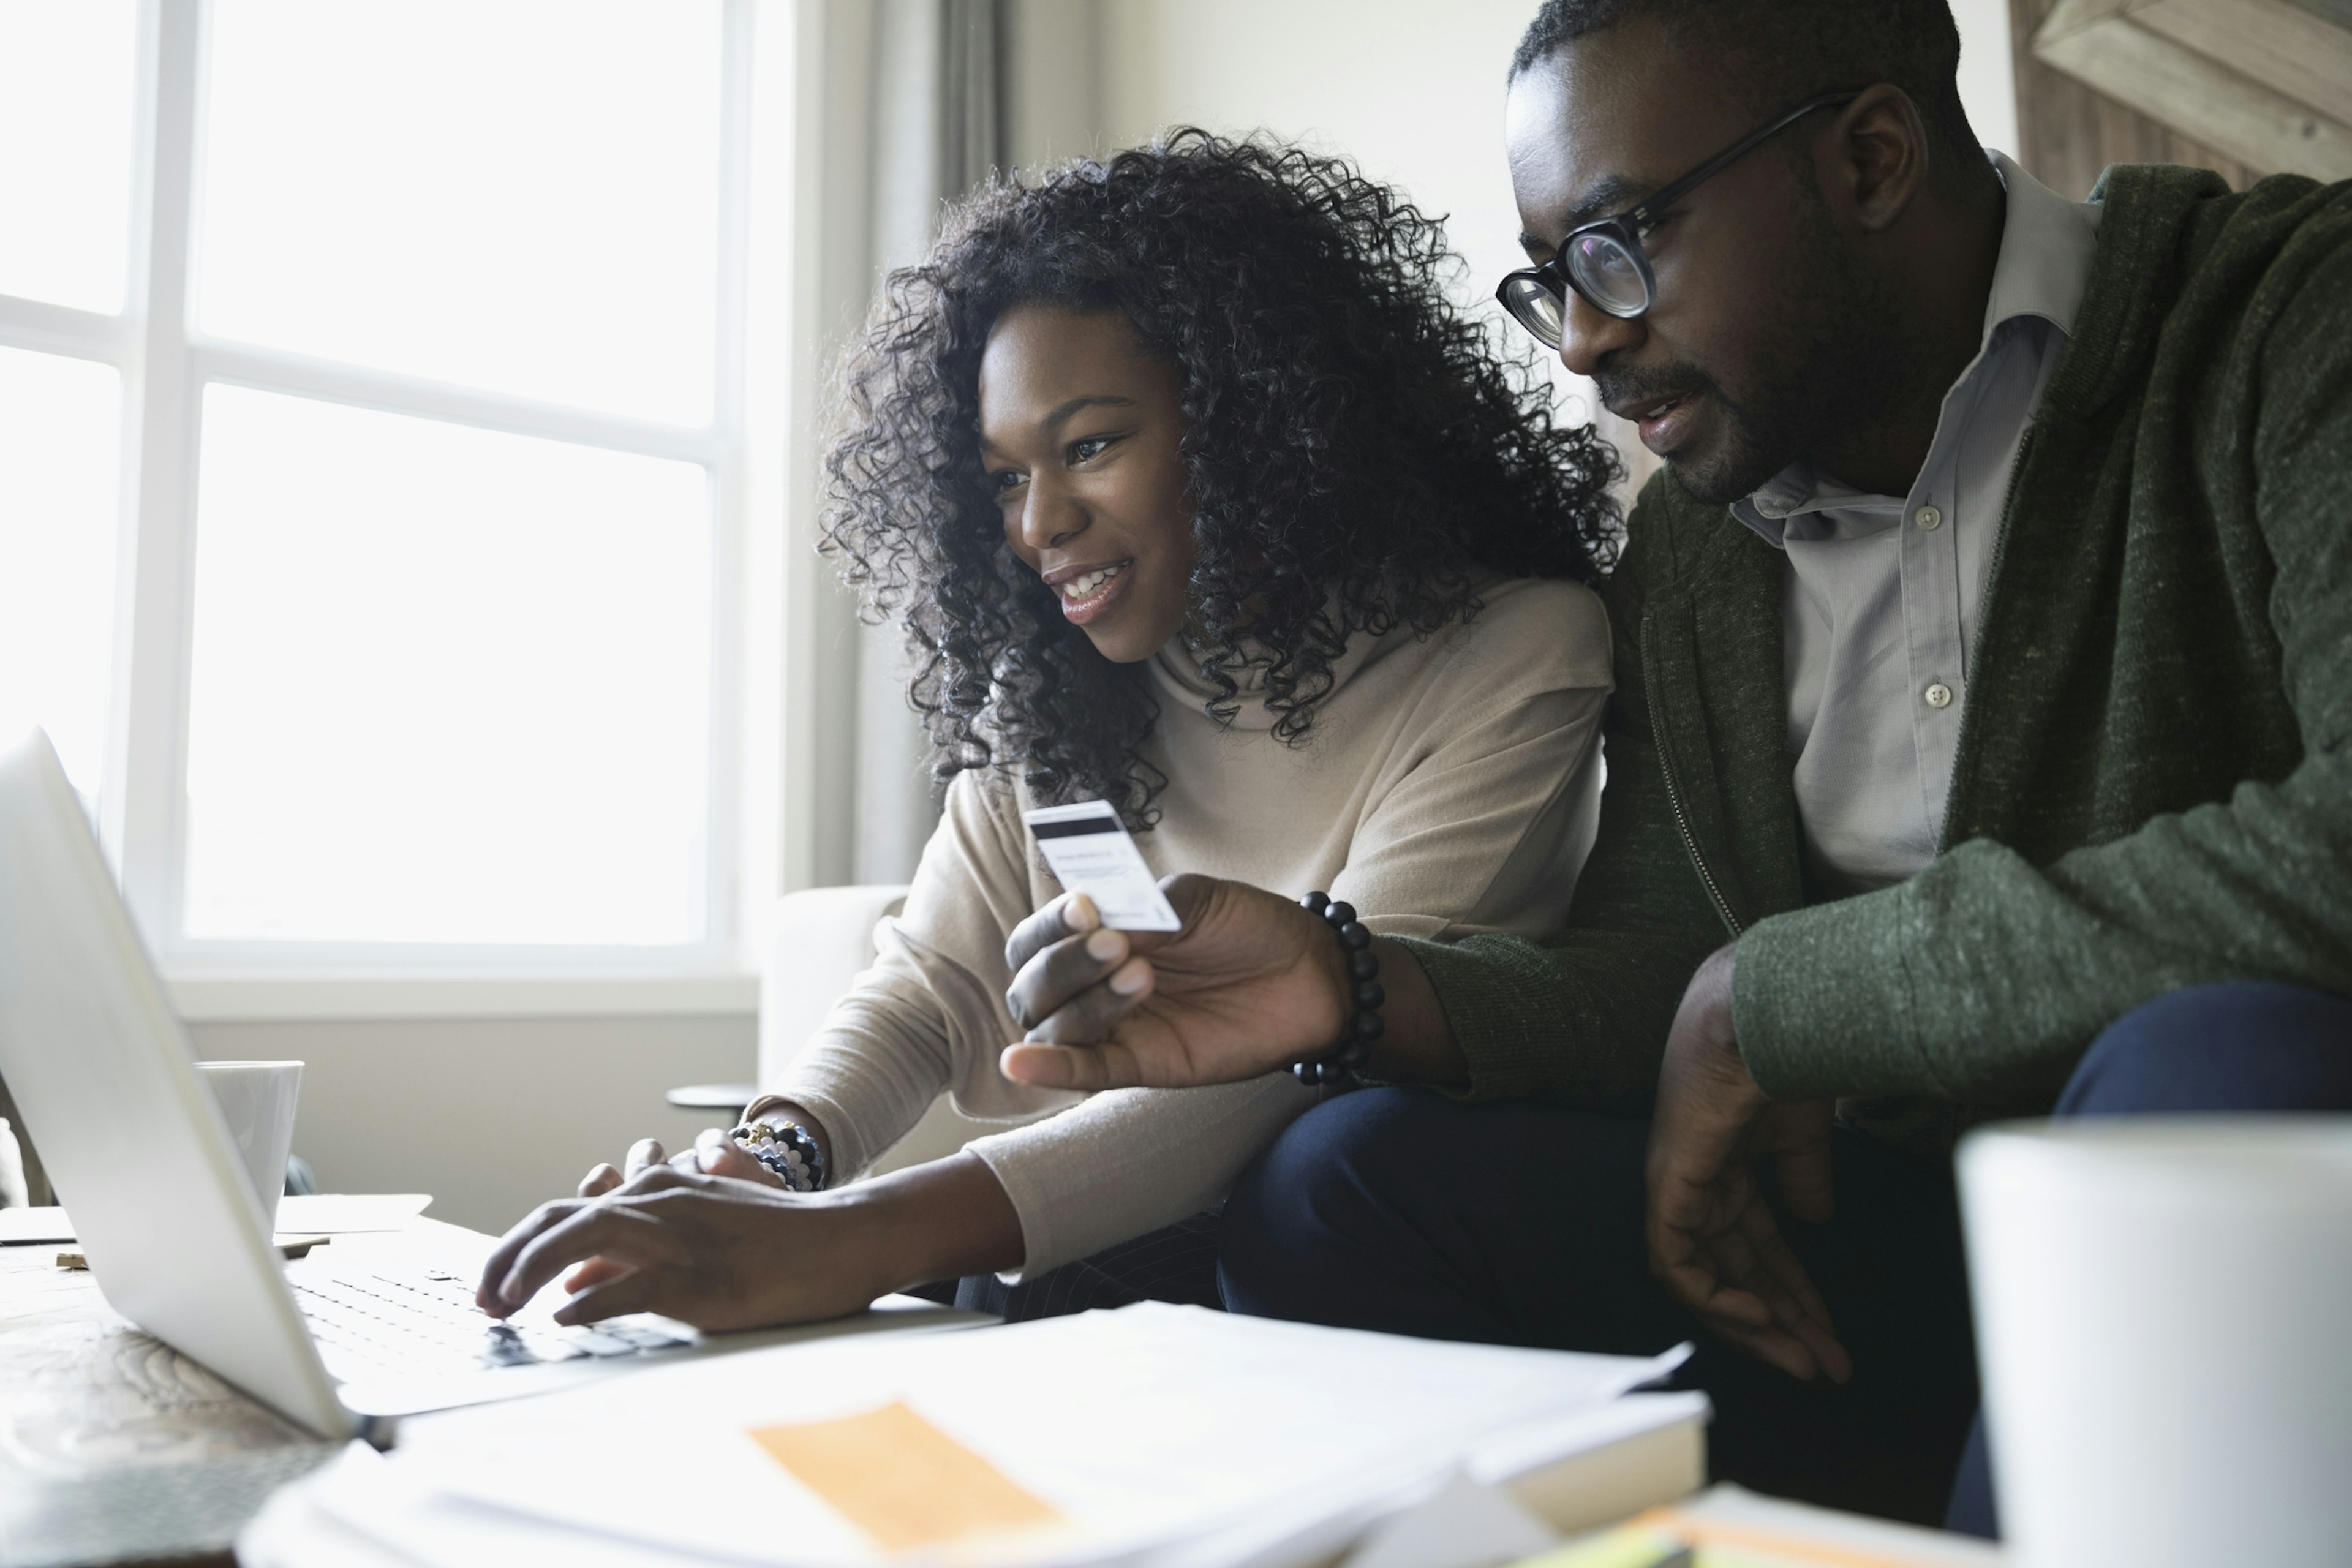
1938,695
1928,517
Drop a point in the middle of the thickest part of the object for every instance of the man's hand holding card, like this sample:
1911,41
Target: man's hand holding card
1230,982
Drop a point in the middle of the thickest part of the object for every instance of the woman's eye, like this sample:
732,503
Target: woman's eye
1086,451
1009,479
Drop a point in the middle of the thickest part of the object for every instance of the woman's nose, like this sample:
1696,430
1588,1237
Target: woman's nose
1050,514
1588,335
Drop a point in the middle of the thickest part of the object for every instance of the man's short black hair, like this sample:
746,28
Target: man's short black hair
1777,53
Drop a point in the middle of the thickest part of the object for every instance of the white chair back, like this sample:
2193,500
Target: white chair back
822,938
819,939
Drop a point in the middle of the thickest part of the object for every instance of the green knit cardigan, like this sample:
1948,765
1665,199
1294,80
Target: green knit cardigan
2153,786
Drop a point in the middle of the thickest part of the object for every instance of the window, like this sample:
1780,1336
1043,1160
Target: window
371,411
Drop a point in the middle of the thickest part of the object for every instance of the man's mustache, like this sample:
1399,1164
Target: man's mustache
1628,394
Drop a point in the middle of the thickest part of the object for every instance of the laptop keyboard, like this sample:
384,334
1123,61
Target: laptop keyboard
426,1322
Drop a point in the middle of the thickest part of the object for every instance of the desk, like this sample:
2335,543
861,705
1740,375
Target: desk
115,1448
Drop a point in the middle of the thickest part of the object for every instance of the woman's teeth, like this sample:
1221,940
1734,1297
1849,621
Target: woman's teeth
1075,589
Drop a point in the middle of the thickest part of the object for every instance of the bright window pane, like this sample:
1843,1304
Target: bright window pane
65,80
448,685
59,433
515,194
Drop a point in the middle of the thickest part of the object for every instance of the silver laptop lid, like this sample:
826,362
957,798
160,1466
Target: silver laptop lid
102,1072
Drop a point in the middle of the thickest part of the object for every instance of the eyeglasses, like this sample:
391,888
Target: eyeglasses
1604,261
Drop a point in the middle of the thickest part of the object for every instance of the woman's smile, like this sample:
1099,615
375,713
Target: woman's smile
1088,593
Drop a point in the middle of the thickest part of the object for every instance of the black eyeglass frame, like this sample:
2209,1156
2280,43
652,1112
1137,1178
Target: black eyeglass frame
1628,227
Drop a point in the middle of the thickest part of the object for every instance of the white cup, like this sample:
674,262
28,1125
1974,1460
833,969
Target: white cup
257,1100
2163,1322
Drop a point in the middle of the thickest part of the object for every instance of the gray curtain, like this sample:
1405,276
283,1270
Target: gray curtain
971,93
938,130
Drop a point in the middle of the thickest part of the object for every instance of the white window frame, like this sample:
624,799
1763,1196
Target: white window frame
759,827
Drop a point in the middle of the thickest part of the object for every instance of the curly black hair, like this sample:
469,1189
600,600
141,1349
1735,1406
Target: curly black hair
1358,455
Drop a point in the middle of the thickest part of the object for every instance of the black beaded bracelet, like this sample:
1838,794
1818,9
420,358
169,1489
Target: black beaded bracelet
1354,1049
787,1148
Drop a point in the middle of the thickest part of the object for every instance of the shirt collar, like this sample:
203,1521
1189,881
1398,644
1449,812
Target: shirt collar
2044,265
2046,245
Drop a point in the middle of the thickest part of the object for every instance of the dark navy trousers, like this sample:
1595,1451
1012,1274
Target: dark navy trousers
1401,1210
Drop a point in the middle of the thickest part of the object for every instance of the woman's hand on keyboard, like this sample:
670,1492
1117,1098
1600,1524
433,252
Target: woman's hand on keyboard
725,1254
714,1153
714,1251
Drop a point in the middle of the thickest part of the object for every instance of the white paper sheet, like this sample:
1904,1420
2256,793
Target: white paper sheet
1464,1525
1146,1427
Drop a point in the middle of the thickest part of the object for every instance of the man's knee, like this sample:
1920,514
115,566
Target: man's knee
2241,1046
1320,1191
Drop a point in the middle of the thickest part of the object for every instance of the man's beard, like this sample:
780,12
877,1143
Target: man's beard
1830,356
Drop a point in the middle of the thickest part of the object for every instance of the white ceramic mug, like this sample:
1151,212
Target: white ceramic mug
2164,1321
257,1100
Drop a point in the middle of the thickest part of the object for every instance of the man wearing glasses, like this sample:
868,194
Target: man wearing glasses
1982,746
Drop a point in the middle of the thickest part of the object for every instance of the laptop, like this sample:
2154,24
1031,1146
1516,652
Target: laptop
103,1076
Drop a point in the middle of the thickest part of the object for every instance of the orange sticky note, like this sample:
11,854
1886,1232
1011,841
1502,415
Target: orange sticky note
901,1480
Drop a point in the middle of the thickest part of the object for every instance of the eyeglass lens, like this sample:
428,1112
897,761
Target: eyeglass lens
1536,307
1607,272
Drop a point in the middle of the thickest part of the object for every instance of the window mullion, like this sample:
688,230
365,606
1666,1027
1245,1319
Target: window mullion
152,726
730,521
273,370
62,330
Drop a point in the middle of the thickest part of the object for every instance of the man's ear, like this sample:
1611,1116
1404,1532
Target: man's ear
1877,160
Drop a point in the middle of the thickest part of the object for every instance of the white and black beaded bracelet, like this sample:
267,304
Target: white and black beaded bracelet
1354,1049
787,1148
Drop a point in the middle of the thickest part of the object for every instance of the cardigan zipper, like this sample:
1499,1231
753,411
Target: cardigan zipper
1968,720
1690,843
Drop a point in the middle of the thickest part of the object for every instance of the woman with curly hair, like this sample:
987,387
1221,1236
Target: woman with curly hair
1194,493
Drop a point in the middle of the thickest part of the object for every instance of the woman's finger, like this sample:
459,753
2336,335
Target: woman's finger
608,1228
595,1271
1056,976
600,1180
1072,915
719,1155
500,1261
636,1290
644,1152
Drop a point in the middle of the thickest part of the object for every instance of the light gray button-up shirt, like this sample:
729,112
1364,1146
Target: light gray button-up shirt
1882,591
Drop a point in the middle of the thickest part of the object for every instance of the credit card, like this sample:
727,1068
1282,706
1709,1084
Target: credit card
1090,851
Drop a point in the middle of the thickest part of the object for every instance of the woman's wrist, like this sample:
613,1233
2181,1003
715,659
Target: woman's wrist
775,1107
939,1220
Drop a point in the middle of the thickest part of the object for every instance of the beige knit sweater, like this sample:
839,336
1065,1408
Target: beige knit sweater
1448,785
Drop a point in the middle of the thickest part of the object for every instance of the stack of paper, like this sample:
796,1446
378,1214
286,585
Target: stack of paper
1154,1435
1727,1527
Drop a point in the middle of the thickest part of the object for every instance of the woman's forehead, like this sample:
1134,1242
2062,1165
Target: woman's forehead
1041,358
